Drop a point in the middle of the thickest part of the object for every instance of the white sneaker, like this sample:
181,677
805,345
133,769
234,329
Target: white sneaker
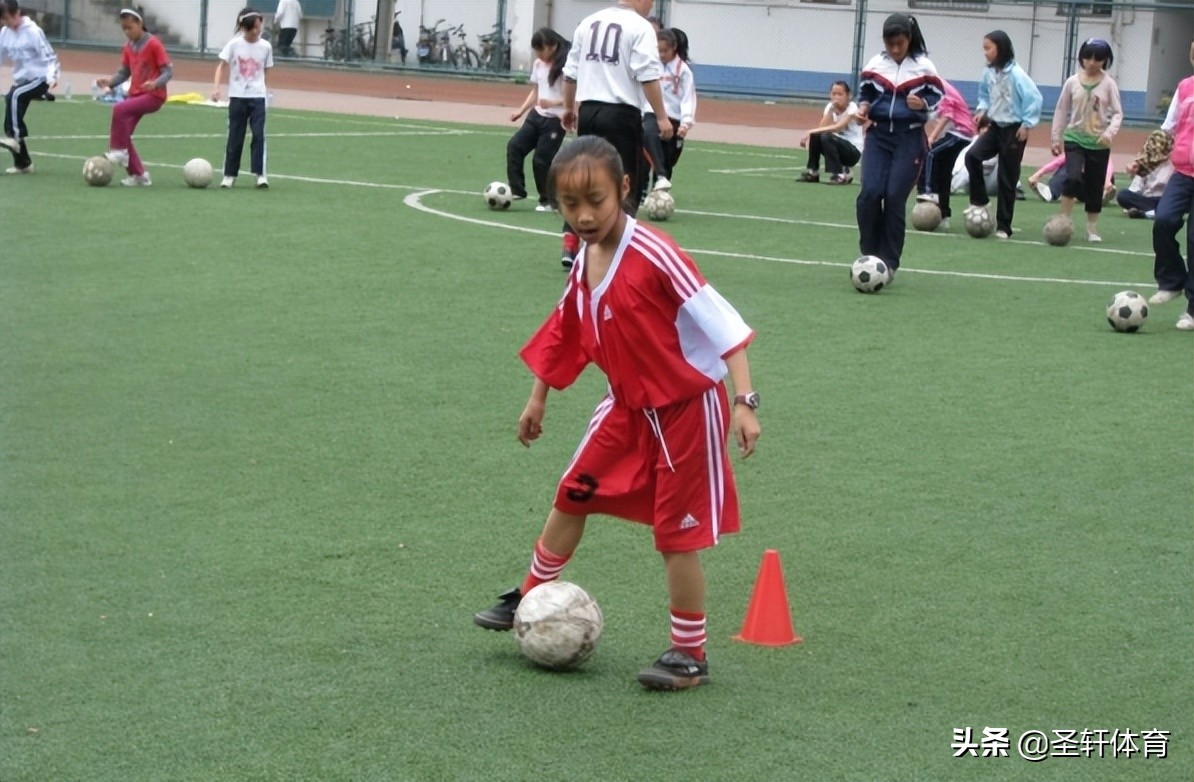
943,225
10,144
14,170
1002,235
262,183
1186,322
927,197
1042,190
118,157
139,180
227,182
1163,297
662,183
545,208
1093,237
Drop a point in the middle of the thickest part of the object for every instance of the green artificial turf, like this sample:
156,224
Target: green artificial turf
259,469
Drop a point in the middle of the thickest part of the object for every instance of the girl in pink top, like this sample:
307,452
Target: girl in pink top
949,132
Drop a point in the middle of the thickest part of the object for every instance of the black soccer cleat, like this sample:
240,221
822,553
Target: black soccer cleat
501,616
675,670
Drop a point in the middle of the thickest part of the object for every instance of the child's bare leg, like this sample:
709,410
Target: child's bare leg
1067,205
562,532
685,581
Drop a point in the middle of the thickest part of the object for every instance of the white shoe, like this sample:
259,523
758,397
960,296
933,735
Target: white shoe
545,208
662,183
1002,235
262,183
10,144
927,198
118,157
943,225
14,170
1185,322
1043,191
1163,297
227,182
1093,237
139,180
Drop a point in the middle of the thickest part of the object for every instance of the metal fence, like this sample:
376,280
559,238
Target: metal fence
781,49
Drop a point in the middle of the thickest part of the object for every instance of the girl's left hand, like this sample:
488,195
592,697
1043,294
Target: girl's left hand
682,131
149,85
1022,135
746,429
916,103
1104,140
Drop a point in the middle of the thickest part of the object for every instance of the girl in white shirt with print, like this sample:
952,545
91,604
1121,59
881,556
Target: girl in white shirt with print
542,131
248,56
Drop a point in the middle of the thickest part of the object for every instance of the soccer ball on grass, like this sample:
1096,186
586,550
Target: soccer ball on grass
1058,231
926,216
1127,311
869,274
979,223
557,625
197,173
97,171
498,196
659,205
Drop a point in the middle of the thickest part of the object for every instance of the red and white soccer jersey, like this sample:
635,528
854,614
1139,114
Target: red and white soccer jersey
655,449
654,326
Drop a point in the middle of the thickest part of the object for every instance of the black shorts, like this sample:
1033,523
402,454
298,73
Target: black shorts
621,125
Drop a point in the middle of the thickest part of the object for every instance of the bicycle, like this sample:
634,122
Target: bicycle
333,44
428,46
463,55
495,50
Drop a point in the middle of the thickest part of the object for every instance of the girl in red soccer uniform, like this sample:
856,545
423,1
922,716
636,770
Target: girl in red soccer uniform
146,66
655,450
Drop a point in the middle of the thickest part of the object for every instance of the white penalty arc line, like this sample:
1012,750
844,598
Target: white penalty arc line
415,201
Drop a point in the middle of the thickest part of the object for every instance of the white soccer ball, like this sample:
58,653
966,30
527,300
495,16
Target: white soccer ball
659,205
97,171
1058,230
197,173
498,196
926,216
869,274
1127,311
979,222
557,625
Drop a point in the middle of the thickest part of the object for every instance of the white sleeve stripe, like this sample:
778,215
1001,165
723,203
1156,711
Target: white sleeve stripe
668,262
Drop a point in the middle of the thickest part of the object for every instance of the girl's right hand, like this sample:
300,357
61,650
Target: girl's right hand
103,83
514,117
215,96
804,141
530,423
1057,149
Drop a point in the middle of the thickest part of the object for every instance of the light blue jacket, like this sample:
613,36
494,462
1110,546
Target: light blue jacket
1009,96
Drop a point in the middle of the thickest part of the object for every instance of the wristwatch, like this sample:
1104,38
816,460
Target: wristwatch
751,400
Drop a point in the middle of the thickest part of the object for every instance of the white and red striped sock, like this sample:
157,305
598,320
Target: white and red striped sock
688,632
545,566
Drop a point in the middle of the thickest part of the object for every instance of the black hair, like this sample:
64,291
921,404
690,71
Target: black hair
844,85
586,152
681,43
906,25
1096,49
545,38
10,7
655,22
1004,51
247,18
129,13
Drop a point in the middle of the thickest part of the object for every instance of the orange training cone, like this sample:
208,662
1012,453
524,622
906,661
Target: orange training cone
768,619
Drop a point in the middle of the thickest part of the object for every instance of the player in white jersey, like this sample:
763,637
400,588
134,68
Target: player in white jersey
34,71
614,63
248,55
679,99
542,131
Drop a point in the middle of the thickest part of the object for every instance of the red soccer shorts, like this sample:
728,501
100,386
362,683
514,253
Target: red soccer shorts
666,467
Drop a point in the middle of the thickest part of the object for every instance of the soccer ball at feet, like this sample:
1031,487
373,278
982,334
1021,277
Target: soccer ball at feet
1059,229
869,274
498,196
978,222
659,205
926,216
1127,311
197,173
97,171
557,625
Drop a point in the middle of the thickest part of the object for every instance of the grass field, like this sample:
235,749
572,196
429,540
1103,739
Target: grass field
259,469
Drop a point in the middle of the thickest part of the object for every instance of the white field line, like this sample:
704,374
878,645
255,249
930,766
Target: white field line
415,201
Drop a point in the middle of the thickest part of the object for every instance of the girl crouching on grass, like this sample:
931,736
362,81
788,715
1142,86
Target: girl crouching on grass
655,450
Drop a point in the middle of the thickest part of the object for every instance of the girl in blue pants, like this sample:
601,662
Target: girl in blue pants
898,89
